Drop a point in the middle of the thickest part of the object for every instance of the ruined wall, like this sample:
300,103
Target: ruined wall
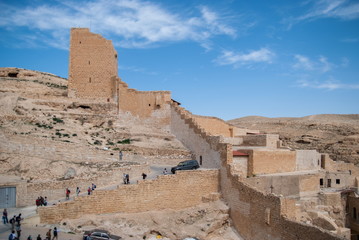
92,66
194,138
148,195
145,104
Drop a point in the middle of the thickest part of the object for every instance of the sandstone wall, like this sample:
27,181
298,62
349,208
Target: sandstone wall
145,104
182,190
93,64
254,214
54,190
20,185
267,161
308,160
263,140
194,138
215,126
353,213
287,185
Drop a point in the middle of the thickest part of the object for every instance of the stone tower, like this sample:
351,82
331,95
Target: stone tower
92,67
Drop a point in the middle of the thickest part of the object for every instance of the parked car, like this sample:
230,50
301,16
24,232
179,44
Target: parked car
185,165
99,235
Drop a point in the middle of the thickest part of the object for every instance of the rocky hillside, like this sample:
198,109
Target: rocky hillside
337,135
46,135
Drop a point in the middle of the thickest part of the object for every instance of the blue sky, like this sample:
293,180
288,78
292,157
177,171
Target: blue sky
229,58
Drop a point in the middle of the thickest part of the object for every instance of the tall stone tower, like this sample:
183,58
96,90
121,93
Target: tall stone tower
92,67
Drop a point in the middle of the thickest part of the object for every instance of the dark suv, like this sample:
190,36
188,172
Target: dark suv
185,165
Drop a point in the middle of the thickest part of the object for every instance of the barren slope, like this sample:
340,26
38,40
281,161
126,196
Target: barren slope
337,135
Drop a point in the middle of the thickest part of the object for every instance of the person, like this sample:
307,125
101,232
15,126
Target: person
87,237
45,201
121,155
89,191
68,194
93,186
18,219
48,235
127,178
77,191
39,237
12,222
38,203
124,178
18,230
29,237
12,235
144,175
4,216
55,234
165,171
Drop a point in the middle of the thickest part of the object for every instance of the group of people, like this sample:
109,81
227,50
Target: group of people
51,233
89,191
15,225
40,201
15,222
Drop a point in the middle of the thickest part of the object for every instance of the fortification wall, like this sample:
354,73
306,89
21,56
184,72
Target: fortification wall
145,104
256,215
92,66
188,186
194,138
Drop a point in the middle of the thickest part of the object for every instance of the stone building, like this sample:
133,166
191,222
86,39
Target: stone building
93,75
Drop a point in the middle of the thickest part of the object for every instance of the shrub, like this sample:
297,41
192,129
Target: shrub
126,141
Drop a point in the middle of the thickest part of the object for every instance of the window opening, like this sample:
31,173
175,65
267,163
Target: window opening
354,213
329,182
321,182
337,181
200,160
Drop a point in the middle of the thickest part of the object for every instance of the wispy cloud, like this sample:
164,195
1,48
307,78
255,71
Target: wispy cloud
341,9
326,85
135,23
263,55
305,63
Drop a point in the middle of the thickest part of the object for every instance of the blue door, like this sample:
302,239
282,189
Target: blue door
7,197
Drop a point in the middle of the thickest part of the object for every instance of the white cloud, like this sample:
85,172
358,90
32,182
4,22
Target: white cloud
342,9
305,63
237,59
137,23
327,85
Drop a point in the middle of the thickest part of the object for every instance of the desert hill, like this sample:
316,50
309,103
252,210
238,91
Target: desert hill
44,134
335,134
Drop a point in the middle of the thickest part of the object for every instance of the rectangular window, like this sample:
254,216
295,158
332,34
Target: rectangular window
337,181
321,182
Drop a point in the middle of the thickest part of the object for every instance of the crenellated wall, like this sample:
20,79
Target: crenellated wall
189,132
255,215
